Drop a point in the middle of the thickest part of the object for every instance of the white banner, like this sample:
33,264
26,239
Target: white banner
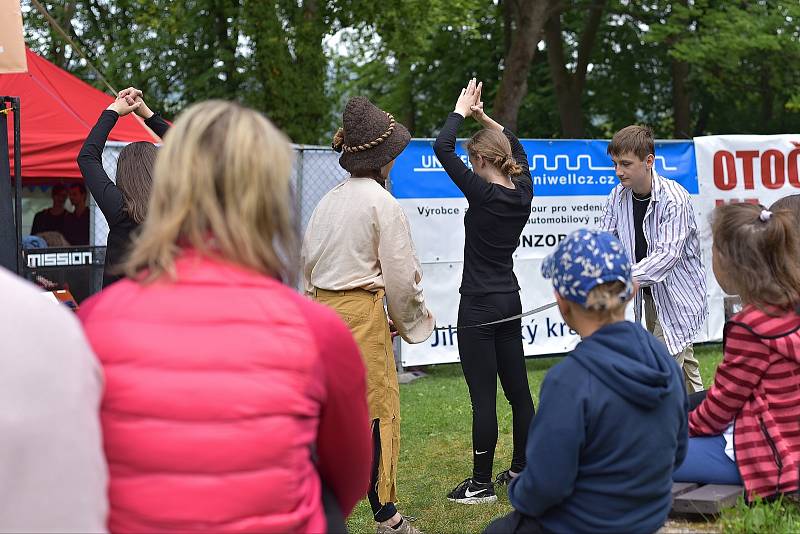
740,168
571,182
747,168
437,226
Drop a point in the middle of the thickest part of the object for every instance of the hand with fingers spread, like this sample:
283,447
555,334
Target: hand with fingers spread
468,98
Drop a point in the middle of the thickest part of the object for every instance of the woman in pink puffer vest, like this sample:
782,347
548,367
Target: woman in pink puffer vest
229,398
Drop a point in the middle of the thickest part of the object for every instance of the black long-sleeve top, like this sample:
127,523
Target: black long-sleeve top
495,218
105,192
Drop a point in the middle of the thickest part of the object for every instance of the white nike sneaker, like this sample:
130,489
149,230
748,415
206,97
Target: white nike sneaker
471,492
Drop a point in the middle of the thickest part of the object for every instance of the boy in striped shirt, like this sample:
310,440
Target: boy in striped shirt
654,219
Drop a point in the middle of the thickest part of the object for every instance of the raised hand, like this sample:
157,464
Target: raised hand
480,115
468,98
477,108
132,94
124,105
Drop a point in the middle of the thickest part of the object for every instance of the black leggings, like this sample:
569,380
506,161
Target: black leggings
488,352
380,511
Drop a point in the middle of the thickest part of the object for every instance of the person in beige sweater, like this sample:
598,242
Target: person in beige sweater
358,250
54,474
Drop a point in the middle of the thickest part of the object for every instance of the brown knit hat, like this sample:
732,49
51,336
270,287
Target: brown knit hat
370,138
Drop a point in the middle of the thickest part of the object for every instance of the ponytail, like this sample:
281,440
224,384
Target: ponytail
494,147
510,167
761,252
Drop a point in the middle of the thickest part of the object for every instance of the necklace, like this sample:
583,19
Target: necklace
645,199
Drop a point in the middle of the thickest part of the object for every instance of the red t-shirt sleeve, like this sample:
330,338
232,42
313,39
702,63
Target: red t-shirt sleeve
344,445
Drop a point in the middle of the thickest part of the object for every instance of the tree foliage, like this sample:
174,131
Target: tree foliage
687,67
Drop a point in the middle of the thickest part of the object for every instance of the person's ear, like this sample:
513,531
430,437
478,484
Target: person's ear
563,305
649,161
633,293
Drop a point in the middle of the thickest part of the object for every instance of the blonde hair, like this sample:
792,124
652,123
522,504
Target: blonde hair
222,188
494,147
603,302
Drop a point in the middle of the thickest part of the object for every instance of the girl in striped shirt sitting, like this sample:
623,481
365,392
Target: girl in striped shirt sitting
747,429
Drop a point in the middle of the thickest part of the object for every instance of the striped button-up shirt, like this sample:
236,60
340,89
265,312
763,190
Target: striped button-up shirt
673,268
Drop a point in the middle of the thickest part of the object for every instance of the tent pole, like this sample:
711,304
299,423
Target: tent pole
8,235
80,52
17,181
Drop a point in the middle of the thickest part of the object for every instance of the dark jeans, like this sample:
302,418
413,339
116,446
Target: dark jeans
696,398
380,511
514,523
488,352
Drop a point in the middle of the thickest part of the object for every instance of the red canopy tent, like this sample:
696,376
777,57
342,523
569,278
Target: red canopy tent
57,110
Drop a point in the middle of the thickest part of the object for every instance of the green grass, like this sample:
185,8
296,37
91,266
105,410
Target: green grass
778,517
436,448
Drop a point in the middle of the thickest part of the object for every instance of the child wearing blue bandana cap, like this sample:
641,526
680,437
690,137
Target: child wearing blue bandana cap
612,421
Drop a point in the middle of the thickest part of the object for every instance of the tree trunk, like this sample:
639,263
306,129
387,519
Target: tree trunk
680,100
568,87
509,16
529,20
569,106
587,41
706,104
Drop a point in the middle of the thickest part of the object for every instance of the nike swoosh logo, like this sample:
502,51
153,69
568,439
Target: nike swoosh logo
484,452
469,493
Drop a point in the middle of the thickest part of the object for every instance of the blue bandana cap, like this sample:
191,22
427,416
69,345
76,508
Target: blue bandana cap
584,260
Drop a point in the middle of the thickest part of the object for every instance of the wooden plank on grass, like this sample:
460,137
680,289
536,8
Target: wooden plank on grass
679,488
707,500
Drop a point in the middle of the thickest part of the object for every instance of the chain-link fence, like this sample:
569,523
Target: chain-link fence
98,229
316,171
